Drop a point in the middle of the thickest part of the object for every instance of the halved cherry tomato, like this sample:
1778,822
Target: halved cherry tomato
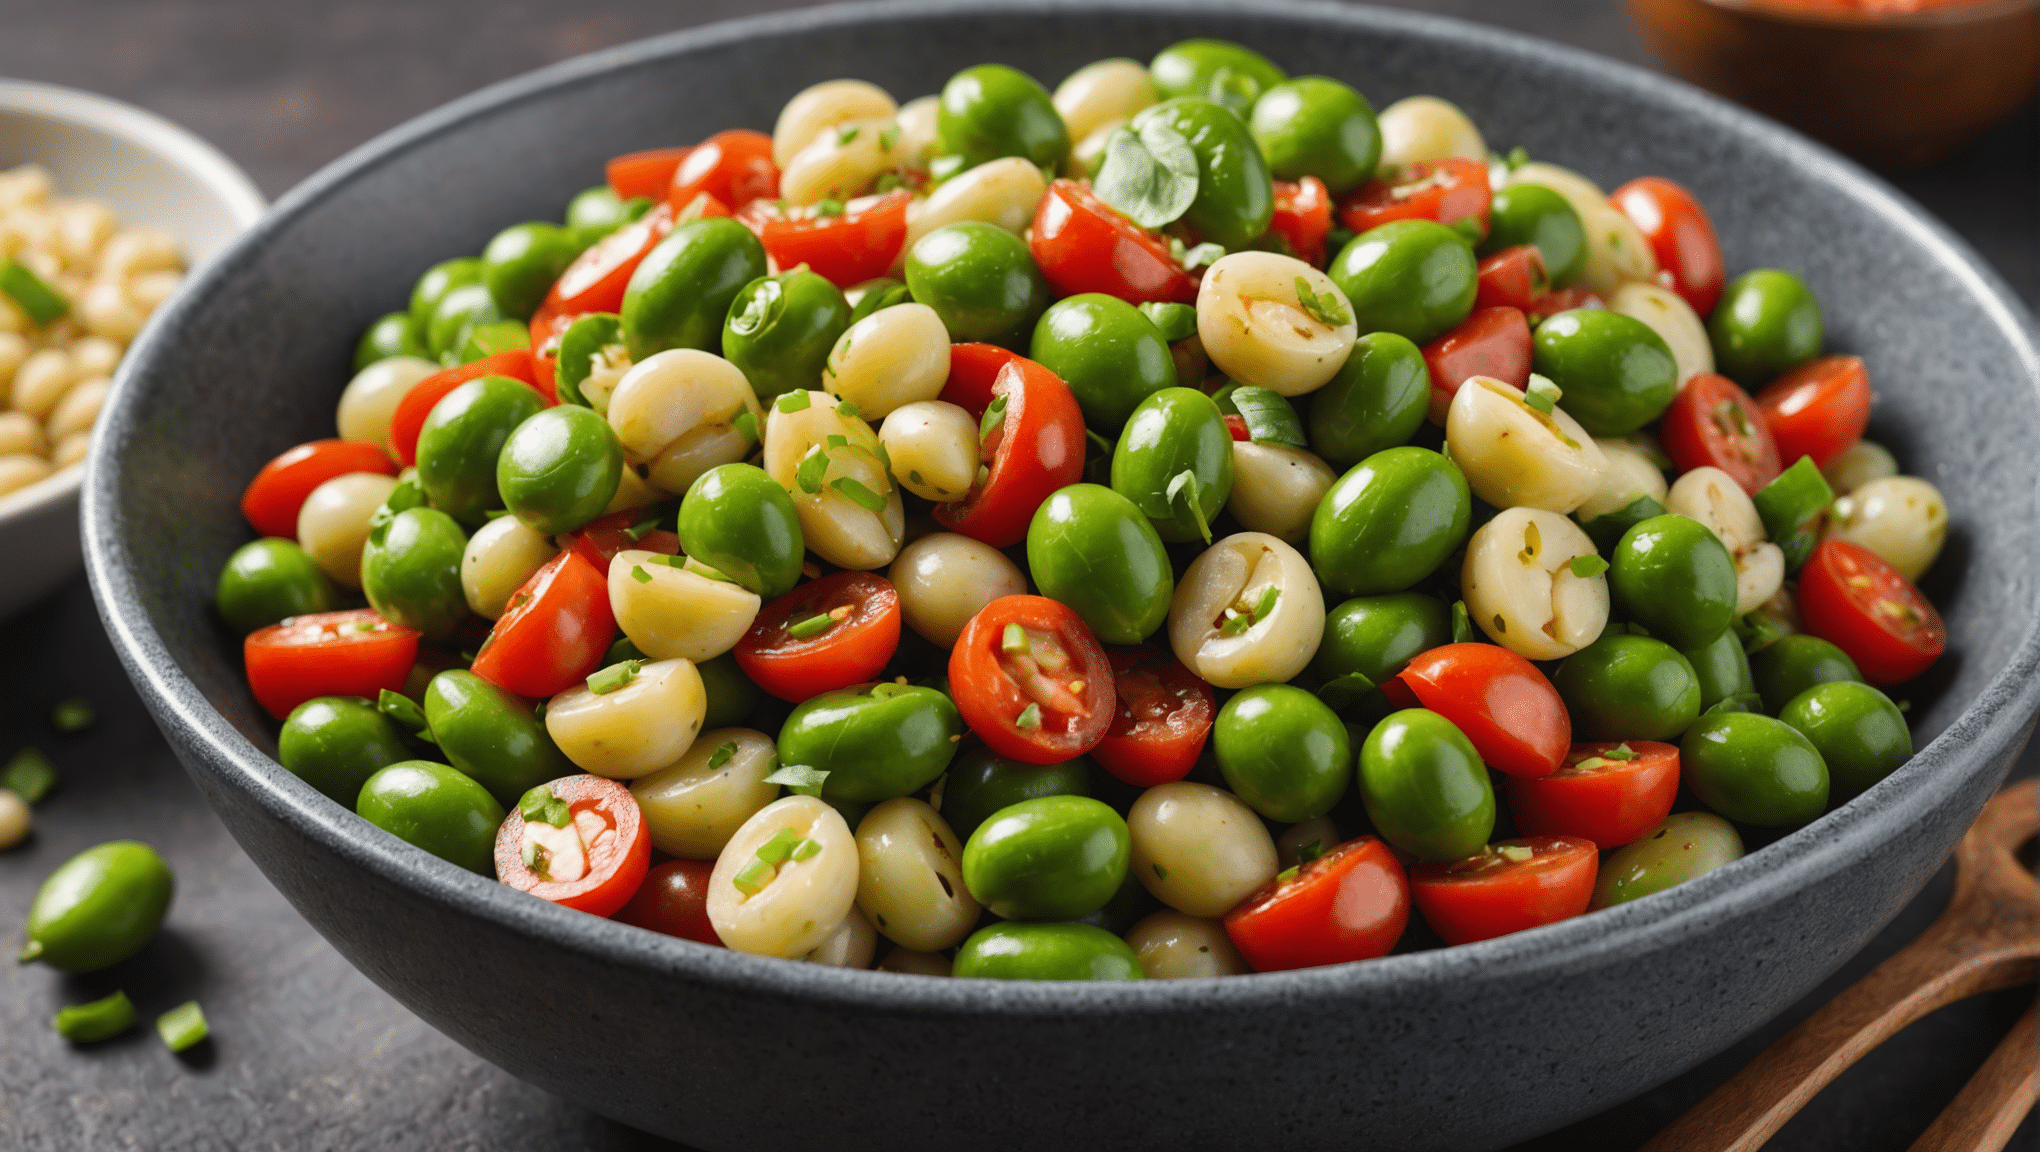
1351,903
1818,408
1714,424
1506,707
1030,679
735,167
273,498
1512,278
1083,244
353,653
593,863
973,369
1495,893
636,174
674,900
596,280
1491,342
1611,802
1688,251
600,540
1851,598
854,245
1563,300
1303,217
863,610
1447,191
409,418
555,631
1036,447
1237,426
1163,717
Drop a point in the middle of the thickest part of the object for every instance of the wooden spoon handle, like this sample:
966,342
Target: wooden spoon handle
1990,1107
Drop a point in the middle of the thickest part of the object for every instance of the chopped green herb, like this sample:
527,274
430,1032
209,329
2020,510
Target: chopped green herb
1462,623
838,440
1288,874
753,876
888,137
1588,567
1266,603
812,467
847,408
644,525
183,1026
613,677
884,457
1030,717
402,709
887,181
914,475
1161,873
1592,764
722,754
811,627
1542,394
794,401
1305,853
538,859
1183,487
1269,416
44,304
539,806
1013,641
863,497
1198,257
828,208
799,778
806,850
30,775
1151,175
1515,853
1328,308
1620,752
99,1020
993,416
779,848
847,136
638,573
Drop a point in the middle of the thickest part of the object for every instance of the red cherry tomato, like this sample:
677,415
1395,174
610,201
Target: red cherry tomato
1506,707
596,280
1688,251
273,498
409,418
857,244
1351,903
636,174
1083,244
354,653
1489,895
555,631
781,655
1851,598
1610,802
973,369
1034,449
593,863
1163,718
674,900
1563,300
735,167
1237,427
1042,693
1714,424
1447,191
600,540
1303,217
1491,342
1818,408
1512,278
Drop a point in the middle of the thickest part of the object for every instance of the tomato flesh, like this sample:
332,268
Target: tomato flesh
272,499
648,173
1818,408
1512,278
1446,191
596,280
858,244
1681,234
1506,707
408,420
864,630
1351,903
1850,597
735,167
352,653
555,631
594,863
1492,894
1714,424
674,900
1035,449
600,540
1044,701
1490,342
1303,217
1611,802
1083,244
1163,718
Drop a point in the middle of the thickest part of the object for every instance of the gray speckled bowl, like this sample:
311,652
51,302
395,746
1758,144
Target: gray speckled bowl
1462,1048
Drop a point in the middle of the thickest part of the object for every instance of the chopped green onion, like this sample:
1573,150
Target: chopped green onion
1013,641
888,138
644,525
845,137
1592,764
992,417
1288,874
1266,603
1588,567
799,778
753,876
99,1020
690,564
1236,622
847,408
859,495
811,627
29,775
722,754
1308,852
72,716
44,304
813,466
826,208
794,401
1542,394
539,805
838,440
914,475
183,1026
1620,752
613,677
402,709
638,573
878,452
748,425
1515,853
1030,717
777,850
538,859
806,850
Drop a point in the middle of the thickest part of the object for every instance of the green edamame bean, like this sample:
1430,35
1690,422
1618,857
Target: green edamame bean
1174,431
99,907
434,807
981,280
596,334
680,295
335,743
596,212
1616,372
1687,845
740,522
268,580
1235,195
1722,669
1416,278
1534,214
991,111
1283,751
730,693
780,330
1316,126
1109,353
492,736
1376,401
488,339
1216,70
1754,769
1674,577
390,335
462,438
1424,786
559,469
1389,522
982,782
1791,664
1766,324
1045,952
433,286
1376,635
410,571
1628,688
875,741
1860,734
1092,549
1052,858
458,313
522,261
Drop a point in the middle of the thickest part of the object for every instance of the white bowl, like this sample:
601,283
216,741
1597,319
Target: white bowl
150,172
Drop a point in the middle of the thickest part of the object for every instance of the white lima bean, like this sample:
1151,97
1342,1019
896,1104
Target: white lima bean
911,963
1427,128
1712,497
1857,465
106,309
678,413
933,446
632,491
1175,946
909,879
1258,326
13,351
79,408
42,380
850,513
1318,834
817,109
1101,92
670,611
22,435
1671,317
943,579
1250,573
606,369
14,819
891,358
634,730
1198,849
95,355
920,133
851,945
1901,518
371,398
1516,456
499,558
1276,489
788,908
20,470
332,523
1632,474
842,162
1004,192
694,805
70,449
1522,587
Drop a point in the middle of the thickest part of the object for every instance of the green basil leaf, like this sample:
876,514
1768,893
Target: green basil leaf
1270,418
1150,175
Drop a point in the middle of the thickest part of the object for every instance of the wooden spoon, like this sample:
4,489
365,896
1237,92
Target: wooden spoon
1987,939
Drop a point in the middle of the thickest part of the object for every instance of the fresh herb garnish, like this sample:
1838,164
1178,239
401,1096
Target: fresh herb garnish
1150,175
1327,308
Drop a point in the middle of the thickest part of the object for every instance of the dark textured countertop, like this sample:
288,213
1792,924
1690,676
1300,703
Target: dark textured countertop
307,1053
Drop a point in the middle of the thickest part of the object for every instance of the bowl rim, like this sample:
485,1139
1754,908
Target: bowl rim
1988,730
144,129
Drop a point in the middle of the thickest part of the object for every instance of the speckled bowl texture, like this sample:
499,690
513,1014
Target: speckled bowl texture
1463,1048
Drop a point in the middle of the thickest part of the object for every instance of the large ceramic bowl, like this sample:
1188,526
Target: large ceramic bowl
1461,1048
